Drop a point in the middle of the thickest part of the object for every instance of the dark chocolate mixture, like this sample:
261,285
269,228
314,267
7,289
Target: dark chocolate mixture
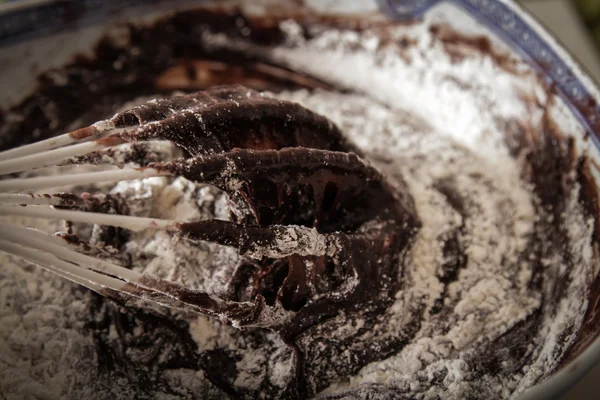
171,55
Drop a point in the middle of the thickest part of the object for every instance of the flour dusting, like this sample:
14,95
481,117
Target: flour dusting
488,305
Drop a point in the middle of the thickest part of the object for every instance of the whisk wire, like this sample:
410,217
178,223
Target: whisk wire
97,131
45,182
47,252
133,223
61,249
50,262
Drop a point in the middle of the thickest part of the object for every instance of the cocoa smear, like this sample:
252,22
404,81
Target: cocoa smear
588,198
455,256
460,46
554,168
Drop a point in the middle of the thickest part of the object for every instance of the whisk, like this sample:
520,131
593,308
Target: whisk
300,196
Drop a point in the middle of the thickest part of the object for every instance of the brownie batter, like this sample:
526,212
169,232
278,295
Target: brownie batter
391,350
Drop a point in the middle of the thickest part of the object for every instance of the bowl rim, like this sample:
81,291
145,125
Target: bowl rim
562,380
500,16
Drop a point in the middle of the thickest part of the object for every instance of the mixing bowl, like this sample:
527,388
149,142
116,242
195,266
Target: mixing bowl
38,35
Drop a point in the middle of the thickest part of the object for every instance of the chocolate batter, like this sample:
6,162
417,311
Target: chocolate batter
139,345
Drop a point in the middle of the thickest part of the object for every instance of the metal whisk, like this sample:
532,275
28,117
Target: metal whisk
300,195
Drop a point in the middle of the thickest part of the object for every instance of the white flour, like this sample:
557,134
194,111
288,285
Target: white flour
420,117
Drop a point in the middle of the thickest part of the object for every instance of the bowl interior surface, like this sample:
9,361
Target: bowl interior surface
497,35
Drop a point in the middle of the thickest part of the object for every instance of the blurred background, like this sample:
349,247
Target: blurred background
576,23
590,13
